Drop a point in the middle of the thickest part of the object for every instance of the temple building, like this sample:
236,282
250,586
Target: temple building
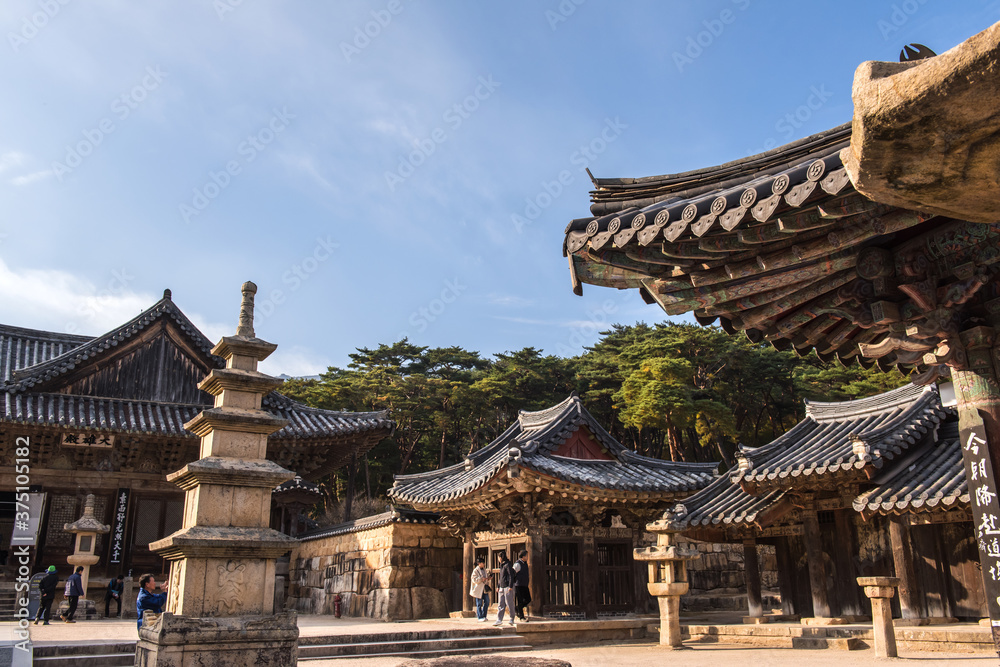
858,488
106,415
876,242
557,485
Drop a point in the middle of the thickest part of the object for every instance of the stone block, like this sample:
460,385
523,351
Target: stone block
393,604
428,603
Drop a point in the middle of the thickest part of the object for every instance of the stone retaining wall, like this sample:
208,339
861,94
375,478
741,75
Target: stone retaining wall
719,572
396,571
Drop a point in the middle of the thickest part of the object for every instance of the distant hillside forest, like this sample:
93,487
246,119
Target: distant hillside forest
671,391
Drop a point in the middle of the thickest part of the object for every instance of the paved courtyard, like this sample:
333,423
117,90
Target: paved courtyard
641,655
633,653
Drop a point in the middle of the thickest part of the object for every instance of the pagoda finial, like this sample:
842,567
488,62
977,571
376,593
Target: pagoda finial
245,327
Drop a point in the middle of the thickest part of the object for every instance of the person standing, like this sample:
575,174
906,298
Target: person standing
522,595
72,592
505,592
47,587
479,589
147,600
114,592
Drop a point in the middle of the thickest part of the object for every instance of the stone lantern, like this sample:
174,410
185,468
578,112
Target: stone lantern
86,529
671,560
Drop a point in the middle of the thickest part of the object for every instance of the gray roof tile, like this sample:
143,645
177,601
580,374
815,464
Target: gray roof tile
530,443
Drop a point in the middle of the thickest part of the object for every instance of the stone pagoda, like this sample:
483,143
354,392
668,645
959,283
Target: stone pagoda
220,607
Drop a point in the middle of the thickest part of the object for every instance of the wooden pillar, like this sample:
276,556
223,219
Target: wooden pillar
786,575
536,569
588,575
817,568
751,570
977,391
468,563
844,549
902,557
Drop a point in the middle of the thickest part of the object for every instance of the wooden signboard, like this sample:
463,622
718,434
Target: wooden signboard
985,515
118,527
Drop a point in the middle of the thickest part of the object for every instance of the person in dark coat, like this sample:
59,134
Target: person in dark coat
522,596
114,592
47,587
74,589
505,592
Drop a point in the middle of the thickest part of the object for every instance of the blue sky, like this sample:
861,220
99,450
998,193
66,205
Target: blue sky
389,168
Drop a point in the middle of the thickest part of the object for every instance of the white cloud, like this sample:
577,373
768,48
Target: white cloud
56,300
296,361
509,300
10,159
31,178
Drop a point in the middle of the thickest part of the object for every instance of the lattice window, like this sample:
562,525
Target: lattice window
174,517
614,574
562,567
147,521
62,510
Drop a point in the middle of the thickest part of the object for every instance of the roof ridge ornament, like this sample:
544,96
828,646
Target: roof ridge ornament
914,52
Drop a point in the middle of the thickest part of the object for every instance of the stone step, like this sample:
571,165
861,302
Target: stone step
840,643
424,648
486,630
85,655
484,650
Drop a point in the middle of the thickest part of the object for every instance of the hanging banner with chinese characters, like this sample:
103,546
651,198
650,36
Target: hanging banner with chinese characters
985,515
118,527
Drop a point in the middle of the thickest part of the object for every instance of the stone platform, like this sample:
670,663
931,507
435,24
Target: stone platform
729,629
708,632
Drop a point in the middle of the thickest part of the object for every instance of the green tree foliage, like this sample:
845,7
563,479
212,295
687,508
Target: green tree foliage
673,391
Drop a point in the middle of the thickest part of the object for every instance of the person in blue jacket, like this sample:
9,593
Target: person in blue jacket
73,591
147,600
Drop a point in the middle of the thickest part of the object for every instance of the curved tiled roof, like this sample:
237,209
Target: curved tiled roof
20,348
845,438
168,419
724,504
530,442
30,357
297,484
932,479
618,194
783,247
43,369
395,515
